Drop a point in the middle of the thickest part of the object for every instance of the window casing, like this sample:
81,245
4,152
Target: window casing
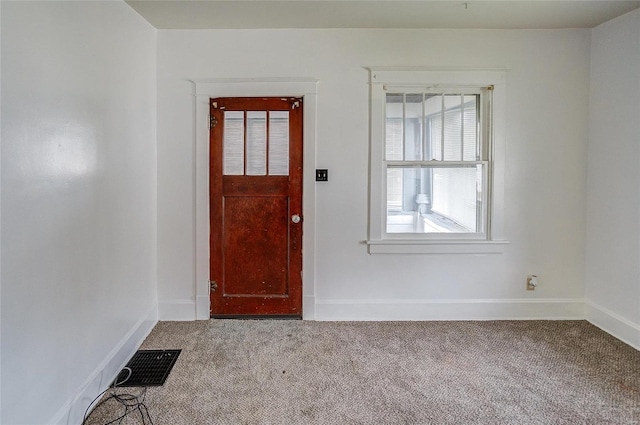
433,161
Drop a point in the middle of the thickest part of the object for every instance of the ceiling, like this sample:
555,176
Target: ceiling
505,14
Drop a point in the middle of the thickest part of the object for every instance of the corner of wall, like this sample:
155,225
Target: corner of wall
72,412
177,310
613,324
612,275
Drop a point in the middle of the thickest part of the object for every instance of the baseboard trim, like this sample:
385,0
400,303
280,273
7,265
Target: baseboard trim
72,411
465,309
613,324
309,308
177,310
203,307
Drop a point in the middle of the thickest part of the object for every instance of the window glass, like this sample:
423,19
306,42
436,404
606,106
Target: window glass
434,199
471,128
433,122
394,142
413,122
436,176
428,198
452,128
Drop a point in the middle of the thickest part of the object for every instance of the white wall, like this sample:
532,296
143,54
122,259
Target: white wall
547,103
613,207
78,202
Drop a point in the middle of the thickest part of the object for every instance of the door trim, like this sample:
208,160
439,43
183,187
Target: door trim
205,89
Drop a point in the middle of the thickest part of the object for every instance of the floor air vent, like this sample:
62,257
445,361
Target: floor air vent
149,368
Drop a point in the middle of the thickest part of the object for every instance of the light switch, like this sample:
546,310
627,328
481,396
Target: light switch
322,175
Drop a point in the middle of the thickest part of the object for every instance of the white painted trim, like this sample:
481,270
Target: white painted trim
203,311
206,85
309,308
463,309
177,310
417,76
246,87
614,324
436,247
72,411
204,89
379,242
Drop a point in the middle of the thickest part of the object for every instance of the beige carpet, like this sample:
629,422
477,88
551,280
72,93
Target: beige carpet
297,372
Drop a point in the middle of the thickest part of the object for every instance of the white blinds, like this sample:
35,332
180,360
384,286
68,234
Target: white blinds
266,148
279,143
455,194
233,143
256,143
460,141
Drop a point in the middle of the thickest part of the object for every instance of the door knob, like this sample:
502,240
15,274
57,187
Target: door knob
295,218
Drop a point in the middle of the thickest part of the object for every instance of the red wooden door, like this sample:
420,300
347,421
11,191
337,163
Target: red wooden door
256,207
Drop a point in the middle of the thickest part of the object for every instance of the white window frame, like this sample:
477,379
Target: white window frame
383,80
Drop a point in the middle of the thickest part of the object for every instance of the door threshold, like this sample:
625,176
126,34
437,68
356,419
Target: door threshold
257,317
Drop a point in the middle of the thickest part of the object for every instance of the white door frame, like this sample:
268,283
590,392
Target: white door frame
251,87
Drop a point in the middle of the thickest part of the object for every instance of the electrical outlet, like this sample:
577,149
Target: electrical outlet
532,282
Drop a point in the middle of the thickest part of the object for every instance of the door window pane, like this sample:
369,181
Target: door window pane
256,143
233,143
279,143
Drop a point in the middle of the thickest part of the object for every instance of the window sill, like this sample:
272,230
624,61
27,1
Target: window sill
436,247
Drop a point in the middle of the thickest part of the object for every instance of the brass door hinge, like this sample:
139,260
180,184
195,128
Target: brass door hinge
213,121
213,285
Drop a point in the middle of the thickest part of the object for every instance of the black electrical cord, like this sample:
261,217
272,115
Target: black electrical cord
131,402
